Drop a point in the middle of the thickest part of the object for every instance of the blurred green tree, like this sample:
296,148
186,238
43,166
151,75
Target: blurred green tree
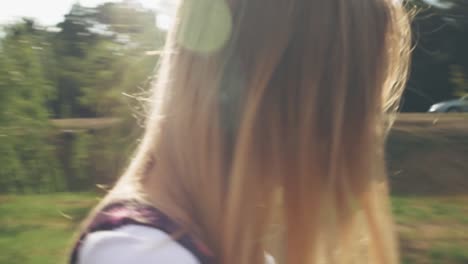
83,68
102,53
24,91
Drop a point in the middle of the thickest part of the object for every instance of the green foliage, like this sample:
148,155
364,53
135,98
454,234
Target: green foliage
459,80
24,91
80,155
82,70
11,173
102,55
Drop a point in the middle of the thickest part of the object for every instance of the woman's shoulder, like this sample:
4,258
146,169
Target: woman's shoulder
131,232
124,231
133,244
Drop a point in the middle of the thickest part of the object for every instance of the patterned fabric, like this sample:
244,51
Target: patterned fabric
121,213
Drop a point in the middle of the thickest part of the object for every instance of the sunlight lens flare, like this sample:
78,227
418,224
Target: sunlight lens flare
206,25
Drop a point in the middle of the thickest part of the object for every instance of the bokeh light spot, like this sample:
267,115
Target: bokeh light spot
205,26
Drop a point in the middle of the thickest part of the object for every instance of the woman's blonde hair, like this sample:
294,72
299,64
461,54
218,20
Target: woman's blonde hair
276,107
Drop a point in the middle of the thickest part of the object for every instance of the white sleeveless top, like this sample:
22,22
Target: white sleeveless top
136,244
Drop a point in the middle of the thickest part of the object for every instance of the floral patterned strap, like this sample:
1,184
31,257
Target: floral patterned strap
118,214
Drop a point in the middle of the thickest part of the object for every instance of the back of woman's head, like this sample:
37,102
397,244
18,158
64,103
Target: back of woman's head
275,107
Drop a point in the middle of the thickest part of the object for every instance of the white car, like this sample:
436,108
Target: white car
457,105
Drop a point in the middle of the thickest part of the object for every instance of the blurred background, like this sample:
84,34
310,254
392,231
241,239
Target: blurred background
73,78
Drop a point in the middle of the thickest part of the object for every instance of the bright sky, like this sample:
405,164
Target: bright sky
50,12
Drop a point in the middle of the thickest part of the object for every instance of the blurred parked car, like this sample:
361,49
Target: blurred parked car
457,105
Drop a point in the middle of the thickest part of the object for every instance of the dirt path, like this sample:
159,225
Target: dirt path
428,154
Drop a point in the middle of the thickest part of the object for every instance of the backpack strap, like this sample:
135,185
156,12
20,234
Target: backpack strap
121,213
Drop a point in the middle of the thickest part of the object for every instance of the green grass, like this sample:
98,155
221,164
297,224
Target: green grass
37,229
430,209
432,229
